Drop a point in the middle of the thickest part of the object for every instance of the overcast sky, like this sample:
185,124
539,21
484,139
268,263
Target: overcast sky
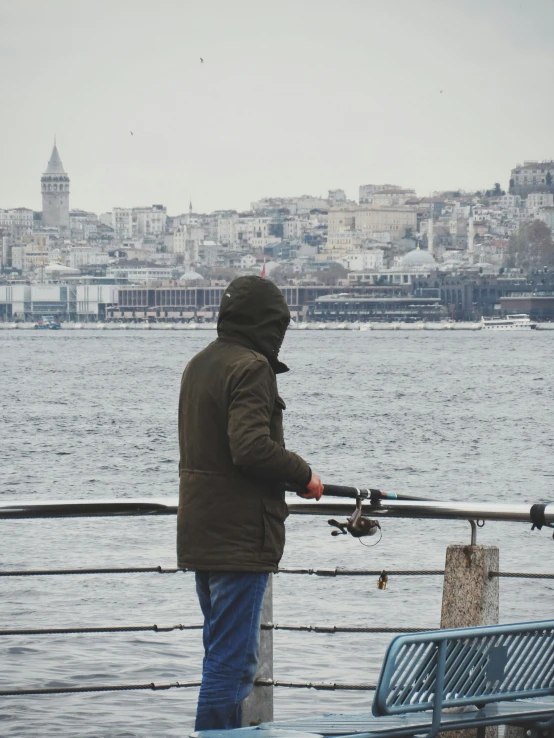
293,97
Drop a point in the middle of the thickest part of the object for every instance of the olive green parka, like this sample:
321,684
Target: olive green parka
233,462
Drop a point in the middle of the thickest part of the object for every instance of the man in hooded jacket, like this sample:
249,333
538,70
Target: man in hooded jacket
232,473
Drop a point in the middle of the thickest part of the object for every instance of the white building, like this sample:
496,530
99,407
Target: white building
140,272
18,296
508,202
92,299
142,221
415,265
337,197
247,261
537,200
122,223
80,256
294,205
340,243
293,229
362,261
392,194
227,228
532,175
150,221
255,232
18,221
186,242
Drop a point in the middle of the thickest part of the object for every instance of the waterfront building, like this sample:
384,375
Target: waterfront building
355,308
184,303
54,185
64,301
140,272
536,306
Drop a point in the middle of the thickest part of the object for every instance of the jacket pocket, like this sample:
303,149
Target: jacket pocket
274,512
276,422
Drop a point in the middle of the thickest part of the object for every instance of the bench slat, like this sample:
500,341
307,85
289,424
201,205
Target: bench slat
481,665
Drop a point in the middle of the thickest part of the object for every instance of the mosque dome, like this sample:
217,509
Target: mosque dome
418,258
191,277
55,268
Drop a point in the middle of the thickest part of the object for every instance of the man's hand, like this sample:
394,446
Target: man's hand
314,489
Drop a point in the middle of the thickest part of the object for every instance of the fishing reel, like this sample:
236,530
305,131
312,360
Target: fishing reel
357,525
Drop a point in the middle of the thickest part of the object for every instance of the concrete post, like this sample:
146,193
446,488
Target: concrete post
258,706
470,598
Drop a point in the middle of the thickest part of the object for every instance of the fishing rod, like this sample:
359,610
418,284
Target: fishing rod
358,525
380,504
366,493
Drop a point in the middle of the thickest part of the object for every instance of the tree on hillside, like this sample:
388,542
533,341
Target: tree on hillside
332,275
497,190
283,274
531,247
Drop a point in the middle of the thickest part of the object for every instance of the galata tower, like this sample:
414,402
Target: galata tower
54,185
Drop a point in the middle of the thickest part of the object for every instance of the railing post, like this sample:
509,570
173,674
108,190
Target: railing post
470,597
258,706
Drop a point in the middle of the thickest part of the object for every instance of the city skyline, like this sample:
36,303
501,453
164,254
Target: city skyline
433,96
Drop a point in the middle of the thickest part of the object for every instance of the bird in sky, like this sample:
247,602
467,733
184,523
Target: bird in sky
201,60
441,92
131,132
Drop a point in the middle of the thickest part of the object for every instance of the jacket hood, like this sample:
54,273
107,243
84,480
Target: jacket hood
254,313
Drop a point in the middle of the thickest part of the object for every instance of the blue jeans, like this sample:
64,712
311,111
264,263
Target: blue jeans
231,603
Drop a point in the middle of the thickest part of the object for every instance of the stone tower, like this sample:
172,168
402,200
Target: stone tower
54,185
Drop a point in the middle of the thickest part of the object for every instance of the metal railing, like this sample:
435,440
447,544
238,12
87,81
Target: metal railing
261,700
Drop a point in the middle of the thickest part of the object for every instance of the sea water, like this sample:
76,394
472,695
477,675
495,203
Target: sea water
88,415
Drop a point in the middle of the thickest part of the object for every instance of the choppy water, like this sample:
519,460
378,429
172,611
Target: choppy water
461,416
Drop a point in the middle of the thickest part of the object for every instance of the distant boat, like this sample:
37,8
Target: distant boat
49,323
509,323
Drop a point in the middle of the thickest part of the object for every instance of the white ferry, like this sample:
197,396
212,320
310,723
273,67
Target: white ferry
509,323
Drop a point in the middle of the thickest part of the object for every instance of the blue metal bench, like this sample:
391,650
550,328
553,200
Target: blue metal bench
447,680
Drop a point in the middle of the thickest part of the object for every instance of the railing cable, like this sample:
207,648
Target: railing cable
198,626
289,570
327,686
99,688
114,570
520,575
101,629
162,570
